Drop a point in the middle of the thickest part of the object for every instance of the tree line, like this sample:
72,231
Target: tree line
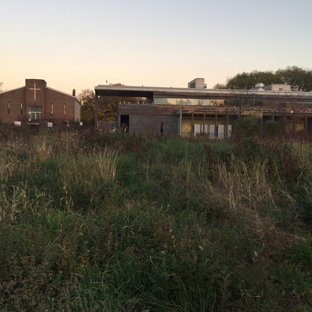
292,75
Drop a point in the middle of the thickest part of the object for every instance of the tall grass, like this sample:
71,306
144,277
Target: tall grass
135,223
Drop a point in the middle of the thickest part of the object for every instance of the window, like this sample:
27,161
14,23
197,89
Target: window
35,112
64,109
280,89
9,109
21,108
52,109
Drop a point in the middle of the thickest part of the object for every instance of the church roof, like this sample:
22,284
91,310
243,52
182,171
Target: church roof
7,91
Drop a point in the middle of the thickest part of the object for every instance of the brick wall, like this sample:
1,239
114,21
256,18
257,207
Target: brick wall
59,100
14,98
15,104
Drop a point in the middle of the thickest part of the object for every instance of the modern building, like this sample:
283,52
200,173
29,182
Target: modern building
195,110
35,103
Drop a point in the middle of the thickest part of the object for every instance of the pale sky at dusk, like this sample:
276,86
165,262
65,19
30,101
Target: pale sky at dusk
80,44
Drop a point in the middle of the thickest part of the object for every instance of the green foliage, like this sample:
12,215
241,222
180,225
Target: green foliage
114,222
6,131
86,98
249,80
272,128
293,75
220,86
249,125
296,76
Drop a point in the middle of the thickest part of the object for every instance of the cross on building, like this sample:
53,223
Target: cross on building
35,89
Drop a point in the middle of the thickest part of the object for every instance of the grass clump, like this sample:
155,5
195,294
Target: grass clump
137,223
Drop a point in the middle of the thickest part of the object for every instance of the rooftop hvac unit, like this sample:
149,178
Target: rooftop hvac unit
259,85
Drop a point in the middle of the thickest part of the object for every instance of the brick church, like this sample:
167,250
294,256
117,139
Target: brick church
37,103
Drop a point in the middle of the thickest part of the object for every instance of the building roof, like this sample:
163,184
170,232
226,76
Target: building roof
6,91
154,92
70,95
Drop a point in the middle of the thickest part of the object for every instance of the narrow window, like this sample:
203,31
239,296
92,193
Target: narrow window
52,109
9,108
64,109
21,108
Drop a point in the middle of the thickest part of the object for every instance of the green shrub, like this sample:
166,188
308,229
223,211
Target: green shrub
249,125
272,128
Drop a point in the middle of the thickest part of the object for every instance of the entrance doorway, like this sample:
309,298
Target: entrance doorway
124,122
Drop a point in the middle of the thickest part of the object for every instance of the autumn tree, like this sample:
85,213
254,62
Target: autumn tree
107,109
86,98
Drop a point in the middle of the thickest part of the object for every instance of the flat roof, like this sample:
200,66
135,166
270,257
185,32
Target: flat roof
154,92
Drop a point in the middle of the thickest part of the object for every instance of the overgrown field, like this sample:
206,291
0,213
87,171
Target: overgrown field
103,222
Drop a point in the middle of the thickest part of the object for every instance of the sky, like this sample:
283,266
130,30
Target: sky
165,43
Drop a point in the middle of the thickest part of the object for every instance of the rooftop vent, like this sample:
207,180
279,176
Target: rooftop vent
259,85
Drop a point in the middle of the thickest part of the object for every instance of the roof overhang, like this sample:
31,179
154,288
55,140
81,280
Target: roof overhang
154,92
122,91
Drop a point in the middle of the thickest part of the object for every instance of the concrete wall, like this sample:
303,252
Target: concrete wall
278,88
77,111
151,124
197,83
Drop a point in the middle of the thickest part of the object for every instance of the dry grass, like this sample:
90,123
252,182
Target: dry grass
134,224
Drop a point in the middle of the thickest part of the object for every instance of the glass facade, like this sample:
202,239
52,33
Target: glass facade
243,102
183,101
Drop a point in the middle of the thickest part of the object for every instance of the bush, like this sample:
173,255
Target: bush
272,127
249,125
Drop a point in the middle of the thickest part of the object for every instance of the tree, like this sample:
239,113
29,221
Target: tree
292,75
249,125
86,98
1,83
296,76
107,106
220,86
272,127
249,80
